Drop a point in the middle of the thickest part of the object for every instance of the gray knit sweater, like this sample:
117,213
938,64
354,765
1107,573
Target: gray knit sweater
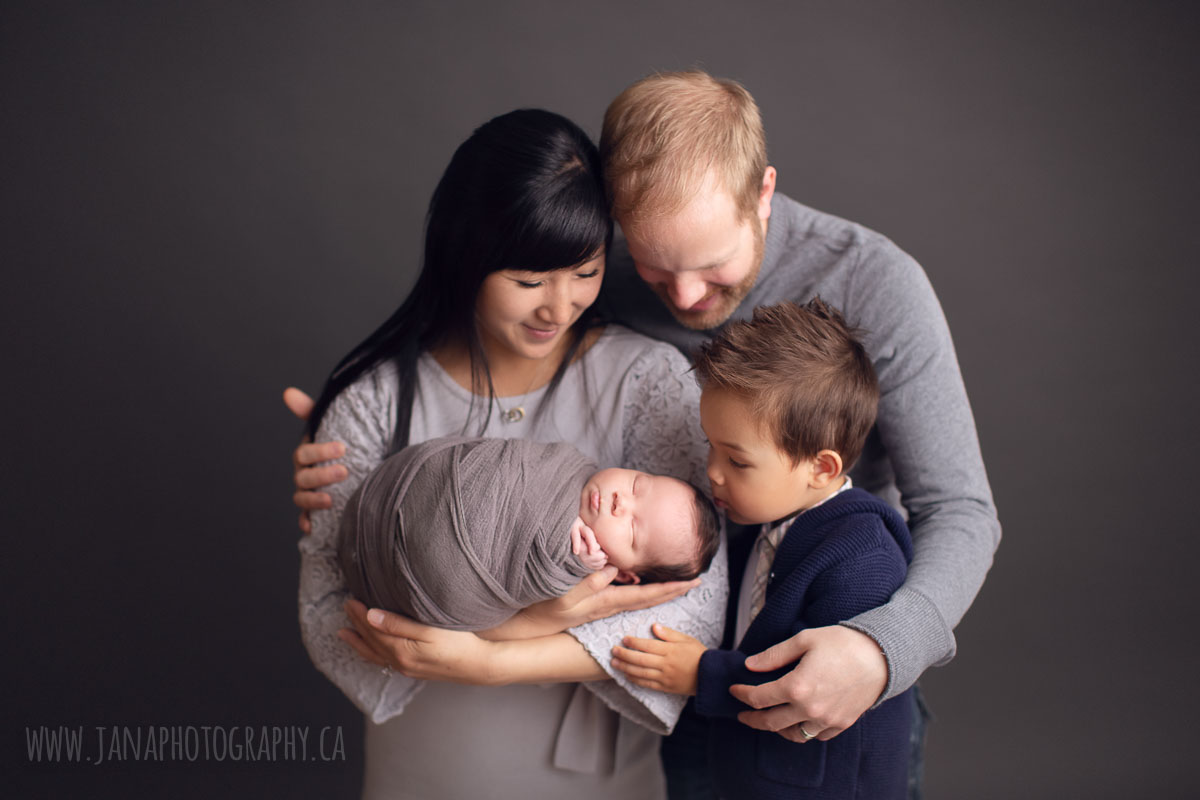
923,455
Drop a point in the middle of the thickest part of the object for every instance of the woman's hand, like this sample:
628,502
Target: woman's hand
840,675
306,476
419,651
595,597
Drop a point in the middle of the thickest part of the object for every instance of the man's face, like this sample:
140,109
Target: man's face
702,260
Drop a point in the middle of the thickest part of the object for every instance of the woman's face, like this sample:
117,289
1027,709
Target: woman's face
526,314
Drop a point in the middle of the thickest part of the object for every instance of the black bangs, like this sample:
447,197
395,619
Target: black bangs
559,215
565,223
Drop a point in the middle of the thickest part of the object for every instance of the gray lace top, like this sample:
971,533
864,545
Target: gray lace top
628,402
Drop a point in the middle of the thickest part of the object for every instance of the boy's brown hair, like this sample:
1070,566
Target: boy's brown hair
664,134
806,376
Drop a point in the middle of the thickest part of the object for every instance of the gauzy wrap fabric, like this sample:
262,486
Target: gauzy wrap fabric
463,532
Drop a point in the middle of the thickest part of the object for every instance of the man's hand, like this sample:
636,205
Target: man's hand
841,674
584,545
669,663
306,476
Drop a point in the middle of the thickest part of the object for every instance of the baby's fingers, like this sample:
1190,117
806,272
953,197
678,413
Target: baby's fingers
589,536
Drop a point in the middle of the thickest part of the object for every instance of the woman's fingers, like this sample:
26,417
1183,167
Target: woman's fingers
361,647
386,623
591,585
357,612
364,641
632,598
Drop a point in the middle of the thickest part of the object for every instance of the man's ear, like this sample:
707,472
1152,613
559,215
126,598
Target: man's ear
766,193
625,576
826,466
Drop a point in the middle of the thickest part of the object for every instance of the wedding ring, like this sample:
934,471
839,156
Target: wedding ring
807,736
387,671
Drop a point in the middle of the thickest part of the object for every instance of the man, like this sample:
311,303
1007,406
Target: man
709,239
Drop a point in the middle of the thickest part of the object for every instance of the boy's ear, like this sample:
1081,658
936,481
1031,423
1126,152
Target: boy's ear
625,576
826,465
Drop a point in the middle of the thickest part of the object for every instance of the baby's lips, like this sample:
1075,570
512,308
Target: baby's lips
595,499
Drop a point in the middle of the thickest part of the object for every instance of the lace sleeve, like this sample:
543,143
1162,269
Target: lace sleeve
362,417
661,435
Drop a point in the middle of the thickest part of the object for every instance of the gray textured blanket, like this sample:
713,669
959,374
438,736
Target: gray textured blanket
462,533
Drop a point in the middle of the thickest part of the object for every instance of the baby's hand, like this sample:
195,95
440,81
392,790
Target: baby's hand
584,545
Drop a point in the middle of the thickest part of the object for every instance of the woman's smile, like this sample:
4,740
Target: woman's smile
540,334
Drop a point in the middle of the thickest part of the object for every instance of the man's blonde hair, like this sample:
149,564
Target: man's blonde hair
664,134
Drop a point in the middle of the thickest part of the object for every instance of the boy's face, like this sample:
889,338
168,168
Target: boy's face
702,260
639,519
752,480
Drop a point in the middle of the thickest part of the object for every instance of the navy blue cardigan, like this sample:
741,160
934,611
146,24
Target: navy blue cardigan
837,560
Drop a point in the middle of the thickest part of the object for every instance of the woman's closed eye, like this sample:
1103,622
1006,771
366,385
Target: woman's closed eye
590,274
737,464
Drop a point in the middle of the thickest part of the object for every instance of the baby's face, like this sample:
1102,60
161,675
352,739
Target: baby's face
640,519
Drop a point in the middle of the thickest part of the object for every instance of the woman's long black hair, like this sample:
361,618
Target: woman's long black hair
523,192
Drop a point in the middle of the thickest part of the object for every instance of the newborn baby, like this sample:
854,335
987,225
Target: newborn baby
463,533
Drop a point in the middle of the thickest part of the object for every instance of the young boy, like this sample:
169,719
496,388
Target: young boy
788,399
464,532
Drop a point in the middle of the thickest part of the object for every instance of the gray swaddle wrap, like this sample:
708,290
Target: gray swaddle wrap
462,533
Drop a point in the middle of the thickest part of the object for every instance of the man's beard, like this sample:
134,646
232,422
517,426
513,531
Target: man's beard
728,297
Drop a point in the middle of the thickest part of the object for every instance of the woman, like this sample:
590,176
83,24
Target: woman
498,338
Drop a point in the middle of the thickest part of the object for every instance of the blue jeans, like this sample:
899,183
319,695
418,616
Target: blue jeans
684,754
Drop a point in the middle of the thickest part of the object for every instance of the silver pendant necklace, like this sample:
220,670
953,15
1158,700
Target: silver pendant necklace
517,413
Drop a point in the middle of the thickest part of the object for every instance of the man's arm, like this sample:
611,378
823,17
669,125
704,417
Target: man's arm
927,430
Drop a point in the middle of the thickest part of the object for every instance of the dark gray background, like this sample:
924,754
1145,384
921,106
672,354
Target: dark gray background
202,205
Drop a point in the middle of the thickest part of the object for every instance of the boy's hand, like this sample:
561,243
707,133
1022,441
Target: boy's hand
669,663
584,545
